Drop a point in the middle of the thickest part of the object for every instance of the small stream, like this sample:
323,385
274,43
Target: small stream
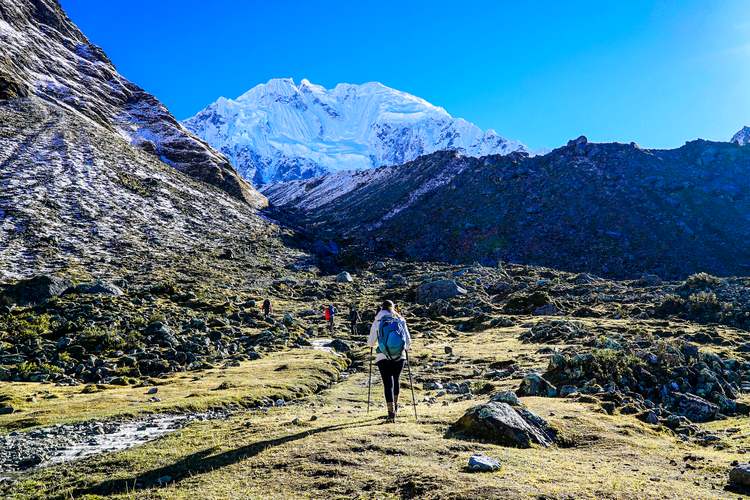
22,451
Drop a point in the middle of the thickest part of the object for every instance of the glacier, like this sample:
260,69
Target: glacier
280,131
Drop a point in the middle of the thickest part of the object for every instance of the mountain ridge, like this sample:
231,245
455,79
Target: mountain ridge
612,209
281,130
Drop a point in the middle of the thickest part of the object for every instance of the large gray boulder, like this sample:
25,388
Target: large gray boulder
438,290
502,424
344,277
34,290
694,408
97,288
740,475
534,384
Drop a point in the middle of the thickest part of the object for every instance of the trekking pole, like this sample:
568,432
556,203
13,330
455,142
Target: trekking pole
369,383
411,384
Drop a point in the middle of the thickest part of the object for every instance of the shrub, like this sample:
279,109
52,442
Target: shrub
701,281
704,306
25,327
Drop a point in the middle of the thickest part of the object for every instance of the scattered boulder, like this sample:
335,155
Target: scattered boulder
506,397
650,280
344,277
34,291
339,345
397,281
740,475
438,290
6,410
502,424
96,288
483,463
694,408
528,303
534,384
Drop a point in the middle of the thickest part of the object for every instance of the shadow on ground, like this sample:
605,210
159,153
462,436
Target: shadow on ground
203,461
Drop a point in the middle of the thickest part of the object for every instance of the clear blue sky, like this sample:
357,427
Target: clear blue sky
658,73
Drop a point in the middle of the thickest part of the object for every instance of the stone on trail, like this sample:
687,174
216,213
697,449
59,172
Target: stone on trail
501,424
483,463
34,291
6,410
339,345
534,384
344,277
438,290
740,475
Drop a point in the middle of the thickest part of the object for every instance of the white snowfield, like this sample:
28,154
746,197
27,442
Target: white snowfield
281,131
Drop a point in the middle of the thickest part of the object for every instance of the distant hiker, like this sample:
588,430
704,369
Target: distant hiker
267,308
354,319
390,335
330,314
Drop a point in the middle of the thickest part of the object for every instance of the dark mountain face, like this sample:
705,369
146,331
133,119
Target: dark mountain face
612,209
44,55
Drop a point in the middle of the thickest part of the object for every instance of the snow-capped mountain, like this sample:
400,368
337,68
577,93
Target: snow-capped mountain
742,137
279,131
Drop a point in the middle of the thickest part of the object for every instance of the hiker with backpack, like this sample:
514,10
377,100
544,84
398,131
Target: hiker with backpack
329,314
354,319
390,335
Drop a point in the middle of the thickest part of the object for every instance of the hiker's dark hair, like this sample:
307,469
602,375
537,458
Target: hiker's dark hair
388,305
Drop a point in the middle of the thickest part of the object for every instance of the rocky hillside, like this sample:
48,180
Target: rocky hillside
45,56
613,209
93,169
281,131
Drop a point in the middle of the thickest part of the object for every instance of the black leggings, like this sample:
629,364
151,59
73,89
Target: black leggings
390,371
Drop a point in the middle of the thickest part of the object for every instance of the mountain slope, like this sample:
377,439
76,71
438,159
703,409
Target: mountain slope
742,137
282,131
45,55
93,169
613,209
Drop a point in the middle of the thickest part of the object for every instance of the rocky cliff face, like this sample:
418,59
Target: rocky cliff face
92,168
281,131
742,137
613,209
44,55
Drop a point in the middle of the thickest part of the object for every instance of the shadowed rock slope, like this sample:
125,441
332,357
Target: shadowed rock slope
613,209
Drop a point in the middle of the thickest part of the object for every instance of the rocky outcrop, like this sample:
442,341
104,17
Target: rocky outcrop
34,290
742,137
505,425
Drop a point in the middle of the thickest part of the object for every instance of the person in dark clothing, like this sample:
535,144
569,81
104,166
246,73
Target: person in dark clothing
267,308
354,319
390,369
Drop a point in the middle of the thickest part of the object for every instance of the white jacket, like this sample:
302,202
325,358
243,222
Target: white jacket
372,340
